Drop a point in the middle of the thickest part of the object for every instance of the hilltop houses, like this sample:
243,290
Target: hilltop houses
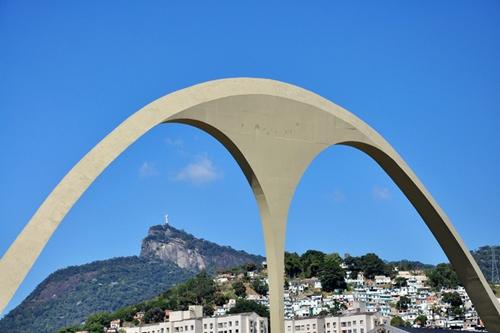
309,309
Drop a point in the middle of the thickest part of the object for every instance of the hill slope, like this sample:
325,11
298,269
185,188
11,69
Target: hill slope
70,295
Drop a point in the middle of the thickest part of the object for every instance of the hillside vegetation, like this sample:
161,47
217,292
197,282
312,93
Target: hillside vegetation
70,295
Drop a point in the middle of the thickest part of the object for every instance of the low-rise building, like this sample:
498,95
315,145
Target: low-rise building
192,321
382,279
353,322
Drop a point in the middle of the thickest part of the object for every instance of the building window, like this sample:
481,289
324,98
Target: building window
236,323
205,326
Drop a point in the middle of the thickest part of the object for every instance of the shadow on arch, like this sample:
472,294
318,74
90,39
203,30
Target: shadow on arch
235,153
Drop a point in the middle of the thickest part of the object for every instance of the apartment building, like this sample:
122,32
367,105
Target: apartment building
192,321
357,322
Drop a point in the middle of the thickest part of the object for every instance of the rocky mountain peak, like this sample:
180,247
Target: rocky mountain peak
169,244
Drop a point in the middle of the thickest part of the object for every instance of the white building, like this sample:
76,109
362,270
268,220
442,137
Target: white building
382,279
192,321
305,325
359,280
357,322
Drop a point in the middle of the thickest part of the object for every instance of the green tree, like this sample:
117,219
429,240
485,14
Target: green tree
455,302
220,299
198,290
126,314
331,275
97,322
260,287
239,289
453,299
403,303
443,276
400,282
208,310
312,261
154,315
372,265
421,320
293,264
250,267
353,265
397,321
337,308
243,305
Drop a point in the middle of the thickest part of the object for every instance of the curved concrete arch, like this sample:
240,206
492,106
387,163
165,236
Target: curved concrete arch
274,130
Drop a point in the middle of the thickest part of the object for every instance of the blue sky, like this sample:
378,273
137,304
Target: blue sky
425,75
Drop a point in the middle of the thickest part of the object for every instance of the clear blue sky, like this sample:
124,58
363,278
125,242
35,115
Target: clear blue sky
425,74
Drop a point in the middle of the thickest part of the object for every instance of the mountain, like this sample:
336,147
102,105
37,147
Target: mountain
69,295
167,243
168,256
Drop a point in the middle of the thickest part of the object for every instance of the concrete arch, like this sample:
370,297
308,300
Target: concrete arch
274,130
